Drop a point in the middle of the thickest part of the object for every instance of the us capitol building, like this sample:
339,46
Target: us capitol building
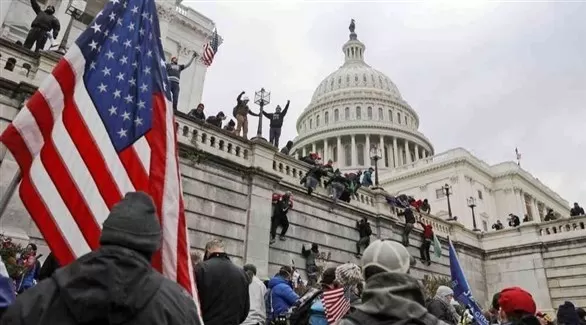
357,113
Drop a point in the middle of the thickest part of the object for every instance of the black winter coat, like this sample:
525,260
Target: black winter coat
409,217
112,285
223,291
45,21
277,118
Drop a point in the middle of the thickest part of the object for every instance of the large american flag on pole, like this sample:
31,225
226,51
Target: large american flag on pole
99,126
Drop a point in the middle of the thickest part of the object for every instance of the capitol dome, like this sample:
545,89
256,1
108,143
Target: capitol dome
357,111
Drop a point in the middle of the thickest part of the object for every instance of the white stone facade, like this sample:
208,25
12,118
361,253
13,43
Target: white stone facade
183,31
357,107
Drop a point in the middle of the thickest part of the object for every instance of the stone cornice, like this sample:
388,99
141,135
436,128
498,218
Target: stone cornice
169,12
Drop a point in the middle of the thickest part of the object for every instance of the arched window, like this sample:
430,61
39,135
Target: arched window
390,115
317,121
347,113
347,155
369,113
326,117
398,117
380,114
406,121
360,154
358,113
310,124
336,115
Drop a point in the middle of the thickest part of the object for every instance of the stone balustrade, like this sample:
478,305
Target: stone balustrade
575,226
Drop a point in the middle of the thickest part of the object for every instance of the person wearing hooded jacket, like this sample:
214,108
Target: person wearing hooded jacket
281,295
41,26
567,314
115,284
222,287
174,70
441,306
390,294
241,112
276,123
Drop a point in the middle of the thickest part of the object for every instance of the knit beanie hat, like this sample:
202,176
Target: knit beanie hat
349,274
515,299
567,314
133,224
443,291
388,255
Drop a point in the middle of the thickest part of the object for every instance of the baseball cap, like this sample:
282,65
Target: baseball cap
515,299
388,255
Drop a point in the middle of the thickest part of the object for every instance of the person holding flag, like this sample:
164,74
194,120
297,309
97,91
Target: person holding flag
461,290
100,126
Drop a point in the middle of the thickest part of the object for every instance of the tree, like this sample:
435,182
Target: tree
430,283
10,253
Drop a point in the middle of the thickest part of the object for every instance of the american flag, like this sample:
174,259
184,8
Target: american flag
210,49
336,304
99,126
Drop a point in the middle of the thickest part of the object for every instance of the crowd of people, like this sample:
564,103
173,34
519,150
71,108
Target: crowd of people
116,284
240,113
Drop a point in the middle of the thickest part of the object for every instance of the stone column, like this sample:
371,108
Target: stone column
382,148
256,245
367,151
416,152
353,149
535,207
395,154
523,205
407,154
313,147
339,149
326,153
304,151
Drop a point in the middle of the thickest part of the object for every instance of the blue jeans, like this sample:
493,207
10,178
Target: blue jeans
175,94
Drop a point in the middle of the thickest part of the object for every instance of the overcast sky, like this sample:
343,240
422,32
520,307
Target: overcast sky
488,77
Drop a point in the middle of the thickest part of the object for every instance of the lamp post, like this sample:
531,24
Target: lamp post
261,98
472,204
75,14
448,191
376,155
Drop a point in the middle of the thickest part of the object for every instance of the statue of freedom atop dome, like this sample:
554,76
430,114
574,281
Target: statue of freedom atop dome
352,26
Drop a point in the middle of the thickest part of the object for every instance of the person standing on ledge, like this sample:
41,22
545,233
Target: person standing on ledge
174,74
241,112
276,123
41,26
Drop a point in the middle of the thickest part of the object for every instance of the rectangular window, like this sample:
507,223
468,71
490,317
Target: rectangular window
380,114
480,194
439,193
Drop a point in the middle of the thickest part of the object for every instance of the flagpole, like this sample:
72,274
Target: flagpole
12,186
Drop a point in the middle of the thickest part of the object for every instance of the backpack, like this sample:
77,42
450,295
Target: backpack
368,229
361,318
299,314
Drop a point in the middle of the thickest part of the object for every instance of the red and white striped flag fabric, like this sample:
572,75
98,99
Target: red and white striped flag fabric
336,304
99,126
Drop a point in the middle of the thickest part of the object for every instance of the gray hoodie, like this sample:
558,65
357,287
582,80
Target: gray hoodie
393,296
